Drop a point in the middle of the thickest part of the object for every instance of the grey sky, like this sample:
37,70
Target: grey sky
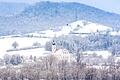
107,5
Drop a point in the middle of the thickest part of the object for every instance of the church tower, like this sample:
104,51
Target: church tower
53,46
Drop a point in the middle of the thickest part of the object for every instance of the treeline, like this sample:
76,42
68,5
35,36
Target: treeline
16,59
91,42
50,68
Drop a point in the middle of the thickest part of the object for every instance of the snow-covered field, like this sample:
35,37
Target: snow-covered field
80,27
103,54
44,36
23,42
84,27
39,52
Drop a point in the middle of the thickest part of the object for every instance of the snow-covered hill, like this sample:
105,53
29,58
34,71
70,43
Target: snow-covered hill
77,27
83,27
45,15
27,40
88,27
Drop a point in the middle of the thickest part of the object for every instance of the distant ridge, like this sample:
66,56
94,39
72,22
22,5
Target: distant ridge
71,11
47,15
11,9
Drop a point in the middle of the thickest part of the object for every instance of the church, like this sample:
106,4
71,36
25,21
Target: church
62,54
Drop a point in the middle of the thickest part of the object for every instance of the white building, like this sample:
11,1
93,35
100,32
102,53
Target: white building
62,54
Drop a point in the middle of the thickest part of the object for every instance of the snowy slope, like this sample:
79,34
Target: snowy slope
78,27
23,42
27,53
43,36
84,27
104,54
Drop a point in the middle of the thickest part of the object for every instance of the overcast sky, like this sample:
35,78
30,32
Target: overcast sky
107,5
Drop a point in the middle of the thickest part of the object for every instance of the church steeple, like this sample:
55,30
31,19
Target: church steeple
53,46
53,43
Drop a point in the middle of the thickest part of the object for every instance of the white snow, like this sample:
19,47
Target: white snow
34,34
104,54
89,27
47,33
23,42
78,26
6,42
117,59
114,33
34,52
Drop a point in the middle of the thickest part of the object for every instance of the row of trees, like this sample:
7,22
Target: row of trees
91,42
12,59
50,68
16,59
